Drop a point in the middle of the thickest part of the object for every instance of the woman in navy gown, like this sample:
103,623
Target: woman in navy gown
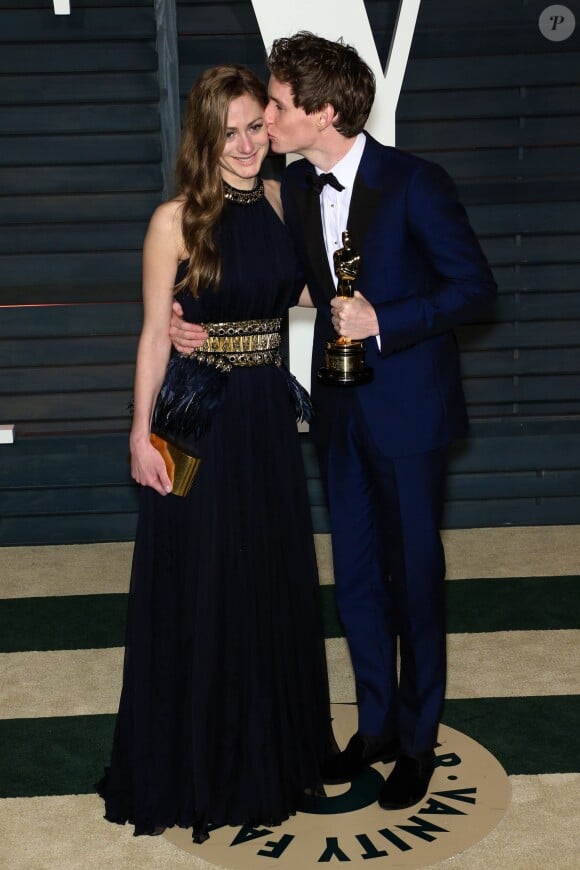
224,711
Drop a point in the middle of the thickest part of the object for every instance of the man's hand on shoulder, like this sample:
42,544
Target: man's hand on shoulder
185,336
354,317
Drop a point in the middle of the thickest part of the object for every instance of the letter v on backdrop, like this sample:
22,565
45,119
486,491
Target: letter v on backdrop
348,19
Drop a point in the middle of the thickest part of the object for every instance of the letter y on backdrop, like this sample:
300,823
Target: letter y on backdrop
348,19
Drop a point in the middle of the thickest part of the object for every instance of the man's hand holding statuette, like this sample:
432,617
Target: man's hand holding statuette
354,318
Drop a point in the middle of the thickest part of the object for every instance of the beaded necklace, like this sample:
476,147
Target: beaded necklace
243,197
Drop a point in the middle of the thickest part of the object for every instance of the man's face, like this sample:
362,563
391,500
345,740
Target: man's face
289,127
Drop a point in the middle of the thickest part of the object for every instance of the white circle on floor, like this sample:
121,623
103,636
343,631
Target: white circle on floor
468,795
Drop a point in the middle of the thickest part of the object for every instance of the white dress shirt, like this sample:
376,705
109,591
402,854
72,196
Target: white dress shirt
335,204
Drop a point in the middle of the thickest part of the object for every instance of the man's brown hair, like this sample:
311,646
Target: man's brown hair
319,72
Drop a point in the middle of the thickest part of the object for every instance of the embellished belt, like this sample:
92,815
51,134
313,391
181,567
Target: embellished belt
240,343
191,394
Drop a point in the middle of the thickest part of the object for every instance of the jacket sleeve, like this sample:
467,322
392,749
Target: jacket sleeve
458,285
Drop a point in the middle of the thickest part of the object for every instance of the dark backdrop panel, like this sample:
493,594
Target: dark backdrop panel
79,146
495,102
485,95
80,174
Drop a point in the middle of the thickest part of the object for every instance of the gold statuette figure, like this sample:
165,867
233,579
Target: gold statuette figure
345,358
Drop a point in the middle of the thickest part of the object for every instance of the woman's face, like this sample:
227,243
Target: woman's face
246,142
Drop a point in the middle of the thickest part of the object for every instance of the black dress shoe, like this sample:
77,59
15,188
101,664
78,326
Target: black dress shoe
360,752
408,782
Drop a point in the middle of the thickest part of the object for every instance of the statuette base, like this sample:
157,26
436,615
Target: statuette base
345,365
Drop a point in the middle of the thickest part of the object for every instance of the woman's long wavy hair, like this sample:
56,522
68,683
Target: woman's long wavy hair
198,173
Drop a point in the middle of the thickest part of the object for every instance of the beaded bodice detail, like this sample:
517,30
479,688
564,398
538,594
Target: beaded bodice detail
244,197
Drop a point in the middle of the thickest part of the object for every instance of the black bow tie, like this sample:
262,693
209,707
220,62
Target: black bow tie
317,182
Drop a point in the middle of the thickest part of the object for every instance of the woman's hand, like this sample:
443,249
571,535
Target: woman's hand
148,467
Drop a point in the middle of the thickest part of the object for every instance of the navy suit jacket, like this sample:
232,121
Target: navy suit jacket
423,271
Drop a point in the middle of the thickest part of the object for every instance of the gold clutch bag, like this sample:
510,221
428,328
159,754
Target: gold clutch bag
181,467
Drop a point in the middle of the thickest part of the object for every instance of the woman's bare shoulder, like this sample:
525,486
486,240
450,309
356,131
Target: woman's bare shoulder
168,214
166,221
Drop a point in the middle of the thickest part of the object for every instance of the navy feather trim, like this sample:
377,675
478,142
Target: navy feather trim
192,391
190,394
299,396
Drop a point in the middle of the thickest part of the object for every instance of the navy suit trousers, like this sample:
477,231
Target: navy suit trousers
389,569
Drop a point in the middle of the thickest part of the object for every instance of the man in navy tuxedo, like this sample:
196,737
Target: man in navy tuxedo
383,445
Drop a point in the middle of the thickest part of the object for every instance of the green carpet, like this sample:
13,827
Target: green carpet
517,619
94,621
66,754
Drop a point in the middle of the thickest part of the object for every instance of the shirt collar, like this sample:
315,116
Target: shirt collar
347,167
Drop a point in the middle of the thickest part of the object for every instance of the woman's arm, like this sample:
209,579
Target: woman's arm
160,259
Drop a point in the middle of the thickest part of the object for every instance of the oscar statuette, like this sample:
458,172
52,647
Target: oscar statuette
344,357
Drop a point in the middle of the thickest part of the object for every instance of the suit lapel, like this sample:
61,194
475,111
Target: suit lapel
309,208
366,196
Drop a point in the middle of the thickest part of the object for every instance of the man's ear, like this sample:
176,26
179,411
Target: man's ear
326,116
